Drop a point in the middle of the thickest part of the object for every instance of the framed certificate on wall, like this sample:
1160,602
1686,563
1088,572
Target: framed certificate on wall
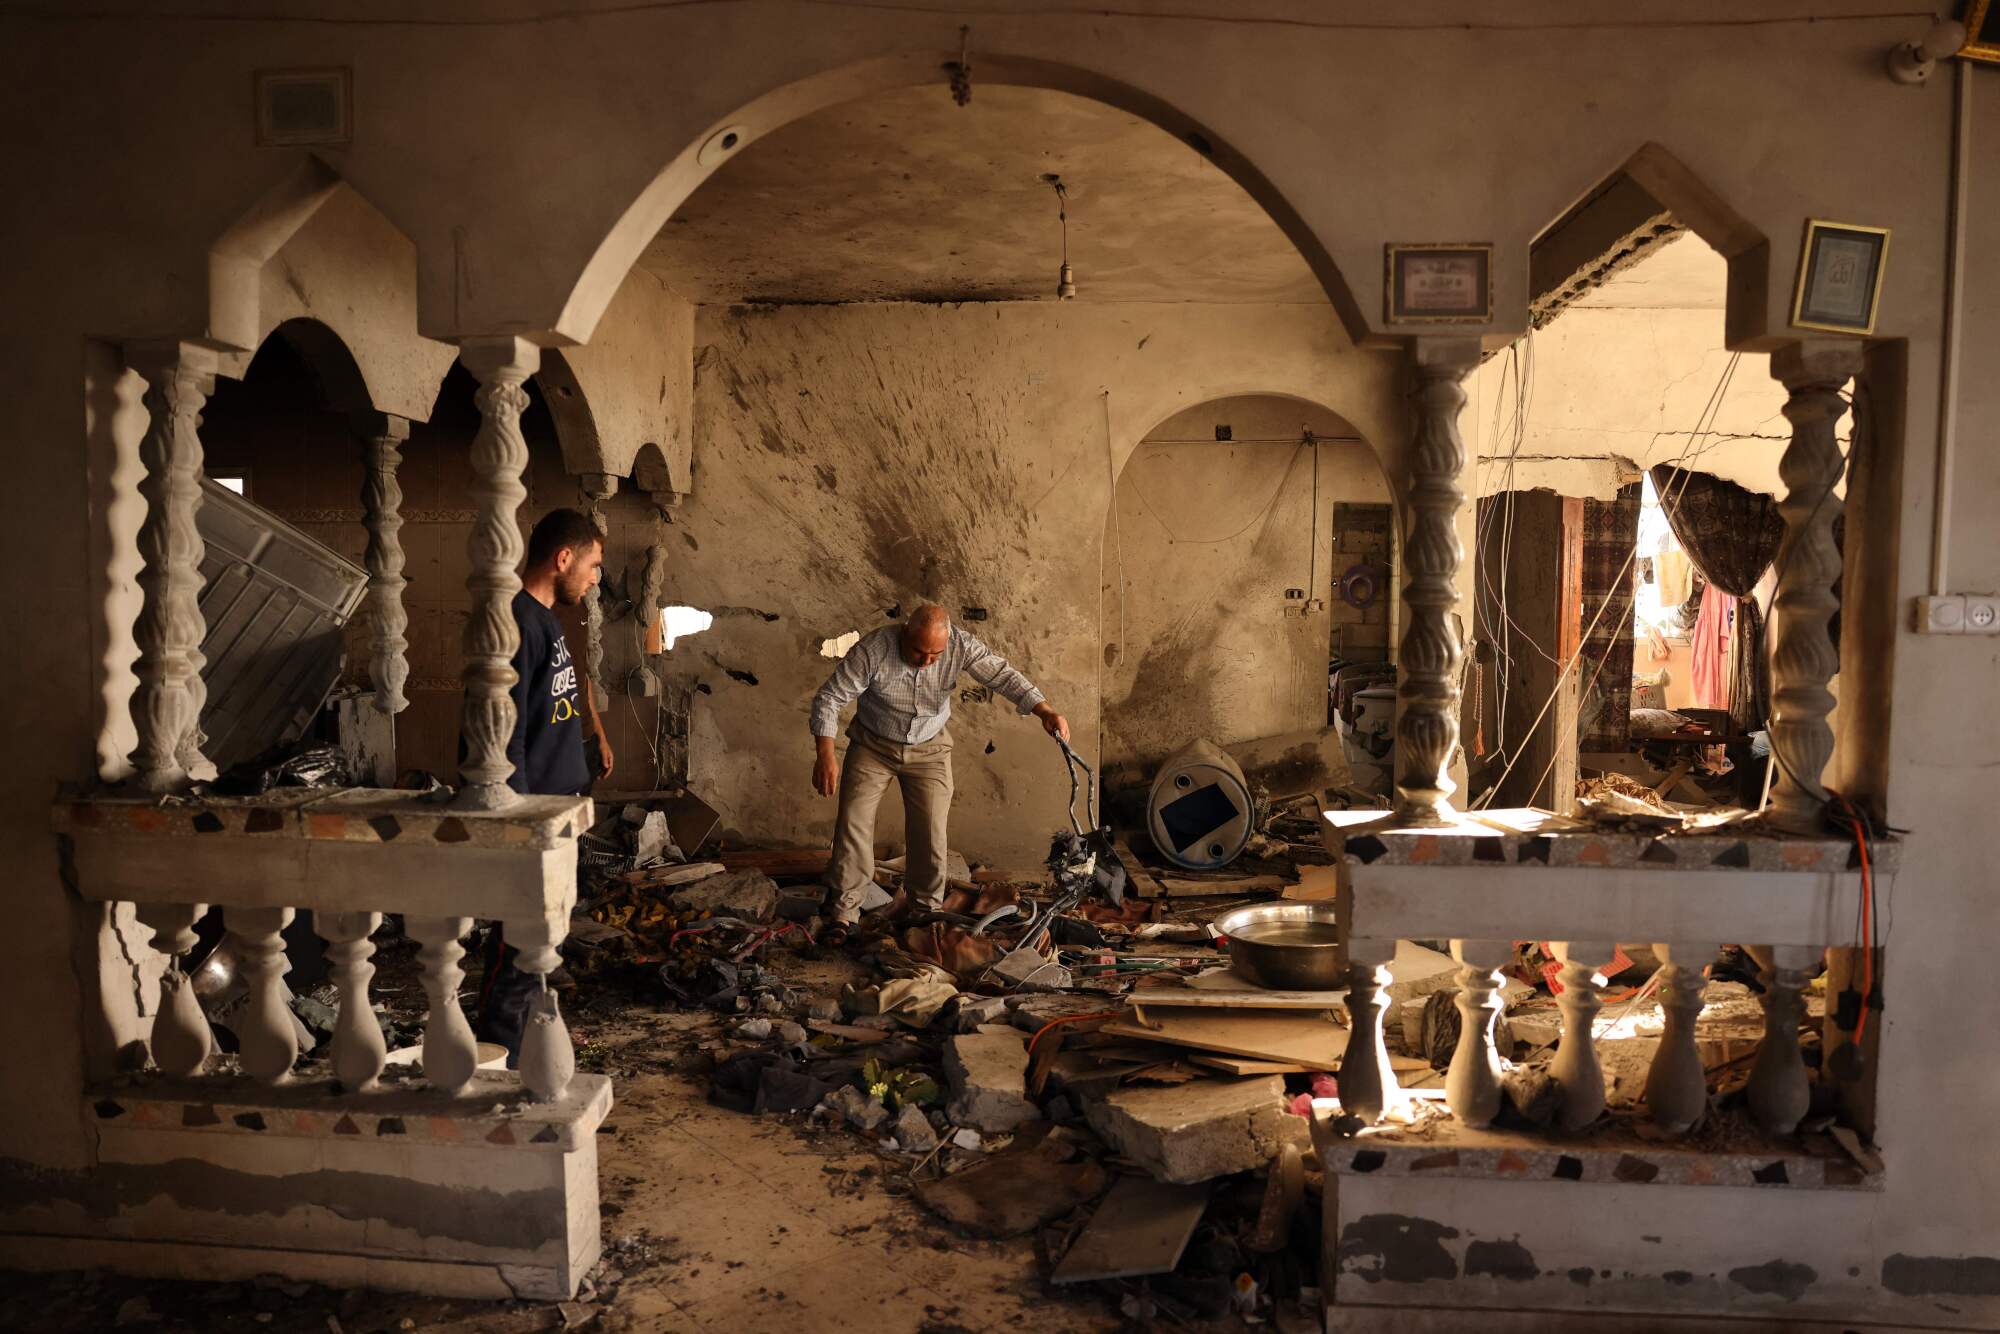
1840,277
1434,284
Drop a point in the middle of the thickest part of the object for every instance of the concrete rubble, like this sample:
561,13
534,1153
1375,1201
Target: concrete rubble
1199,1130
988,1073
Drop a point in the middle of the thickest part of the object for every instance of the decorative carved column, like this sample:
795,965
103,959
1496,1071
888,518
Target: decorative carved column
1367,1081
548,1059
382,511
1779,1091
166,707
450,1054
1803,659
1576,1066
267,1040
597,488
1676,1083
1472,1084
1428,660
499,457
358,1046
181,1040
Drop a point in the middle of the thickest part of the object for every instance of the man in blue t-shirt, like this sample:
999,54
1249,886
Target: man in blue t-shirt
551,705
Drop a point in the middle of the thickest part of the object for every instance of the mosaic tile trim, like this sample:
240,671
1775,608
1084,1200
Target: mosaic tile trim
1639,1165
491,1112
1645,852
357,815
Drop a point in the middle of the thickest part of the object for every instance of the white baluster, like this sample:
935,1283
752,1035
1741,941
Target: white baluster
166,706
358,1047
181,1039
382,506
1367,1082
548,1060
267,1040
1803,659
1779,1091
450,1054
1427,692
1472,1084
499,456
1676,1083
1575,1068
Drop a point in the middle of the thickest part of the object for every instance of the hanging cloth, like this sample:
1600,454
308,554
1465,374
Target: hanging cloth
1708,665
1731,535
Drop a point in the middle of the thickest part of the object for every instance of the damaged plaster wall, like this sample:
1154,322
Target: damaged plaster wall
855,459
631,386
1625,375
1200,639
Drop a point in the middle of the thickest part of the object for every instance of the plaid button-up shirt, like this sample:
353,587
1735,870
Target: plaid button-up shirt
906,704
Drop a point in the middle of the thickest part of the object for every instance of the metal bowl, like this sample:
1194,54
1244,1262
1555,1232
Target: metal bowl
1284,946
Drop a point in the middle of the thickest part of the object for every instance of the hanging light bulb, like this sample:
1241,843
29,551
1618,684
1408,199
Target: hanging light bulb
1065,277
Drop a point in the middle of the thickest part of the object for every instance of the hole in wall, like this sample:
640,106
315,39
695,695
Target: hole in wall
838,646
747,678
680,622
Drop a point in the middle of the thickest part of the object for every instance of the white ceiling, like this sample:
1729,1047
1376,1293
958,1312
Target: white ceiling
907,196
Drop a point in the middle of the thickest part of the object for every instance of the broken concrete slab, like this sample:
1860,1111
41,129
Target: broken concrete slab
651,841
988,1071
1033,1012
751,895
1192,1132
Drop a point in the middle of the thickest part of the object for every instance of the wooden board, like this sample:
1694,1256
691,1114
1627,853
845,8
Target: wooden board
665,877
1243,1065
1294,1039
1236,997
1142,1227
1143,883
1221,888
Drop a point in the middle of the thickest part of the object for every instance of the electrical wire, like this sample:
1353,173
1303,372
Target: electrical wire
1704,426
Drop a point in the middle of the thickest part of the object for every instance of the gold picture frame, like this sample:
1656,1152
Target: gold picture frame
1839,283
1438,283
1982,32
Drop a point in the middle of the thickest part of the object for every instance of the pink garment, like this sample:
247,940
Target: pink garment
1709,658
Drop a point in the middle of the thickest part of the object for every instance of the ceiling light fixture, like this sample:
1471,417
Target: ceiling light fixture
1065,277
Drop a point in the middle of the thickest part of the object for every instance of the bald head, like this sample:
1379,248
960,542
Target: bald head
926,635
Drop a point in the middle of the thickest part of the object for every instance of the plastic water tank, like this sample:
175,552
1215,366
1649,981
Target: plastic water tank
1199,811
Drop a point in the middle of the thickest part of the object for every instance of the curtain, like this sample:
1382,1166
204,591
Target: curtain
1732,536
1604,705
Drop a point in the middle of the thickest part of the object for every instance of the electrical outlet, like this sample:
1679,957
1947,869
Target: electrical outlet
1941,615
1982,614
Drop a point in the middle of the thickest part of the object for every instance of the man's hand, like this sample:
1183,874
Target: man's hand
604,756
1052,722
826,768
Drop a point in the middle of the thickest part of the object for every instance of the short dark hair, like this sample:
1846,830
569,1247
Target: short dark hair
558,531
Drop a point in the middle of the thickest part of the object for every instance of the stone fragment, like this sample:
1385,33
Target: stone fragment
856,1108
1031,1013
988,1073
1205,1128
754,1030
968,1139
913,1130
823,1009
976,1010
748,894
791,1034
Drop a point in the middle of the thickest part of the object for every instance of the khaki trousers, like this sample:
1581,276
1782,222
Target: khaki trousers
924,773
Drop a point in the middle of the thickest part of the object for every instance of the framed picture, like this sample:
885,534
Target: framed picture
1438,283
1982,31
1840,277
303,106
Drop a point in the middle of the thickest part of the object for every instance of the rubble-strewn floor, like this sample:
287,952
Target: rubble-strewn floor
712,1220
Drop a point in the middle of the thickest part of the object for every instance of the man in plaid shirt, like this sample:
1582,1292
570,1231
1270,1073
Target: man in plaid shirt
900,679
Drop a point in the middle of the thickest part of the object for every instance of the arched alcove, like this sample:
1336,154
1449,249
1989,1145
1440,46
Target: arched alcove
1233,524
